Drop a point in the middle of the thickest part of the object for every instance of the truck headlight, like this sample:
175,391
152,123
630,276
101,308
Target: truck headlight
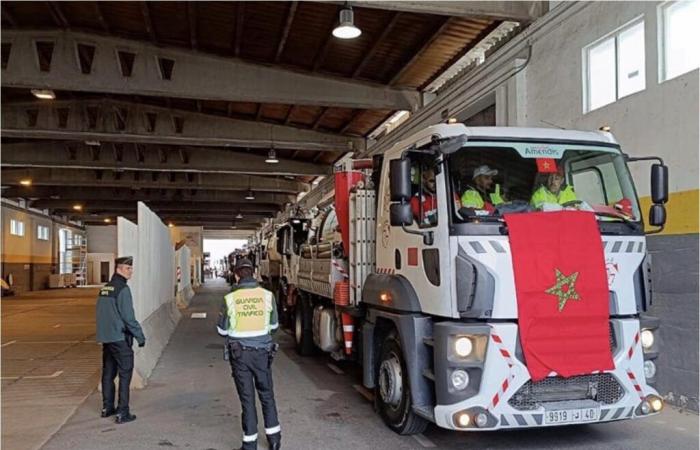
649,369
459,379
463,346
647,339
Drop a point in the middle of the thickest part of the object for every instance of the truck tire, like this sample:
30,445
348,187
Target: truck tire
393,393
303,326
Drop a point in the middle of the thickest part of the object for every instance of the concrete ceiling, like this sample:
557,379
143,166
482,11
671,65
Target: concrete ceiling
178,103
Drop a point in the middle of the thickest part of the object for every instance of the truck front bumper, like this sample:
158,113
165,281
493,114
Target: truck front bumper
503,396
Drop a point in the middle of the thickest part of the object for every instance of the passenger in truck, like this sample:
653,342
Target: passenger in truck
482,194
428,200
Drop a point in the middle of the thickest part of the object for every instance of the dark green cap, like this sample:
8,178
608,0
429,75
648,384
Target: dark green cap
128,260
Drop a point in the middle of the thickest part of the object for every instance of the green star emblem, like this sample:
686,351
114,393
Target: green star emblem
564,288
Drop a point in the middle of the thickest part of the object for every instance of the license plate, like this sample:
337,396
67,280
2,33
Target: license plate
571,415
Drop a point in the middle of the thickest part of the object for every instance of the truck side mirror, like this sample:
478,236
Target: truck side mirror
659,184
400,214
657,215
400,180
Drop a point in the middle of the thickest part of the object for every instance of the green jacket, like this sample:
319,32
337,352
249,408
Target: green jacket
246,329
544,195
115,313
473,198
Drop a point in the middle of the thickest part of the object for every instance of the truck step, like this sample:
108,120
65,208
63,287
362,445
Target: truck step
429,341
427,373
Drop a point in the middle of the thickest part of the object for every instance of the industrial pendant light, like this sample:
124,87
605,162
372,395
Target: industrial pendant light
250,195
272,157
239,216
346,28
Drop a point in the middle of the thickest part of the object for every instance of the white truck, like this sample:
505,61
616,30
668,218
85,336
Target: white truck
430,309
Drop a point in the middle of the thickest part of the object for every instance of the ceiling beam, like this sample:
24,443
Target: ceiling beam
355,115
149,180
226,80
101,17
155,205
7,15
415,56
388,28
150,29
117,121
101,194
320,117
323,51
285,31
200,159
192,19
520,11
238,36
57,14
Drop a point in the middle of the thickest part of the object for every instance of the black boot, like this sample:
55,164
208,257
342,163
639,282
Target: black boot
248,446
106,412
125,417
275,441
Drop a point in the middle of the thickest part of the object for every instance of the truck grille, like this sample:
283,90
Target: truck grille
603,388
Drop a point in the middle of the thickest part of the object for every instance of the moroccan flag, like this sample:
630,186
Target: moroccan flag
562,291
546,165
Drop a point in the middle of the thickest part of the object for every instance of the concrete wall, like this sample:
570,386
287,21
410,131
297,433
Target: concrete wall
102,239
660,120
193,237
152,285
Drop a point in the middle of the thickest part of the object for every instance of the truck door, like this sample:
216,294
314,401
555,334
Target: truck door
406,251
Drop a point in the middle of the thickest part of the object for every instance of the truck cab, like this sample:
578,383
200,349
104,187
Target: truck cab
442,309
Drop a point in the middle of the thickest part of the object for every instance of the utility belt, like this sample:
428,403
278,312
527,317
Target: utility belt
234,349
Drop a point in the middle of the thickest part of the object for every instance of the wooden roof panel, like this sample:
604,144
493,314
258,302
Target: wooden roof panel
308,33
262,29
170,22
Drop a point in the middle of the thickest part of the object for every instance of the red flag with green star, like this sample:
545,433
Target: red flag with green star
562,292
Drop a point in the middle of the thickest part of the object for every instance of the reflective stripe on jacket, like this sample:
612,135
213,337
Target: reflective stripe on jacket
473,198
249,311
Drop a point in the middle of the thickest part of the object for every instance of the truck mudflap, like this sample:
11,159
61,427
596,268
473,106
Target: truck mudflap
507,397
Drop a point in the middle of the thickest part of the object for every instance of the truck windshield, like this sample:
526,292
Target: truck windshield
488,180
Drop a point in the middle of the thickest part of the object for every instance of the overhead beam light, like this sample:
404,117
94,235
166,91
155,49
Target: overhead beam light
170,225
346,28
44,94
239,216
78,207
107,220
272,157
25,182
250,195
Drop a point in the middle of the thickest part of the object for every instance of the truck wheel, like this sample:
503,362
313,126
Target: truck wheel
393,393
303,330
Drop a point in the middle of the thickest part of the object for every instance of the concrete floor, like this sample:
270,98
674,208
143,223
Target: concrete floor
50,362
190,402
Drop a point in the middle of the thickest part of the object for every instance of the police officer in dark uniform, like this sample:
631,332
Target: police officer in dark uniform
116,329
247,318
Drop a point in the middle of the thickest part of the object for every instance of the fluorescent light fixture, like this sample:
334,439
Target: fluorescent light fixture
346,28
25,182
272,157
397,116
93,143
317,180
78,207
250,195
44,94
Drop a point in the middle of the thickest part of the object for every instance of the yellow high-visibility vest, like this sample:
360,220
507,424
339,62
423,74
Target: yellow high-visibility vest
249,312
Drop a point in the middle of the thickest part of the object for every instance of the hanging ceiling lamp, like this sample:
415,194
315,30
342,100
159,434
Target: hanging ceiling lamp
272,157
239,216
346,28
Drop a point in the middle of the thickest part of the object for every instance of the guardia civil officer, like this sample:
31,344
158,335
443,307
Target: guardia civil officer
247,318
116,329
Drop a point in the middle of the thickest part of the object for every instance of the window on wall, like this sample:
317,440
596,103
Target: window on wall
679,34
614,66
16,227
42,233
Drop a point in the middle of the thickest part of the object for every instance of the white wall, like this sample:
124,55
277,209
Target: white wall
102,239
95,261
660,120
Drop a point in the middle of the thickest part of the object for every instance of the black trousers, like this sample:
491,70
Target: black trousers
117,358
252,370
